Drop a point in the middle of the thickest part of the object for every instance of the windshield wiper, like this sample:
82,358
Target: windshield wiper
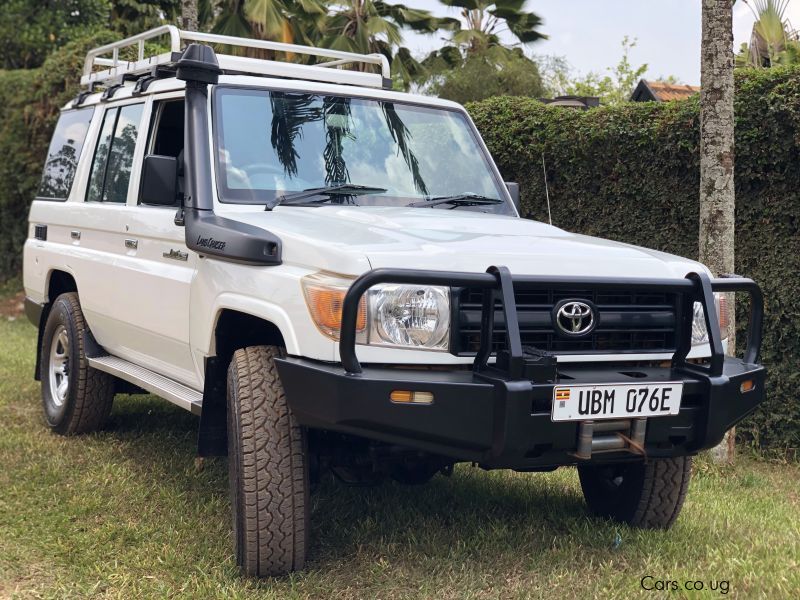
344,189
456,200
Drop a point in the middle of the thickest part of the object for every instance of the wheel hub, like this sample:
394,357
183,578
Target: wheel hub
59,366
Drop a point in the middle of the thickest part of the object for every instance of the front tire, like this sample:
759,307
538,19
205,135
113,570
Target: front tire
268,467
648,494
75,397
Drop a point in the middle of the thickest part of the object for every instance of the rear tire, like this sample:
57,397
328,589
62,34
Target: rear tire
648,494
75,397
268,467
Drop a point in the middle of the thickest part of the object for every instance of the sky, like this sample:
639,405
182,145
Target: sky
588,33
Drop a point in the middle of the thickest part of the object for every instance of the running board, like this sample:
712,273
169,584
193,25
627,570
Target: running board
175,392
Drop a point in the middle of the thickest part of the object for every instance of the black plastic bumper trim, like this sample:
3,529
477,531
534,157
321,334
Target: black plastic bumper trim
33,310
504,423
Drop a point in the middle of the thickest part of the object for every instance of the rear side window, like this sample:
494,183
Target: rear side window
64,153
113,156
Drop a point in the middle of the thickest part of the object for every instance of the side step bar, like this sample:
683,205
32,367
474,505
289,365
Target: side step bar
175,392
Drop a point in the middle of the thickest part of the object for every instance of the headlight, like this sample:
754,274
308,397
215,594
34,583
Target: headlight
401,316
699,330
409,315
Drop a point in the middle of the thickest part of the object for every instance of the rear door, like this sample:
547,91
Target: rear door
99,220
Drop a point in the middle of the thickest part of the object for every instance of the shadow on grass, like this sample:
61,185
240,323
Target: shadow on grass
461,517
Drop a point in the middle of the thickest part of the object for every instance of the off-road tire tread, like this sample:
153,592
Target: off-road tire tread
666,482
268,468
92,393
654,503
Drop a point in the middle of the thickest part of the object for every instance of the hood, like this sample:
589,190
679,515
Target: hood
351,240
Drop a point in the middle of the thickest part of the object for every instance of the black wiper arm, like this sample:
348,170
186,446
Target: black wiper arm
344,189
456,200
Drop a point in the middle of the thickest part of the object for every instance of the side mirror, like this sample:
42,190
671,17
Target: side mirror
513,190
159,180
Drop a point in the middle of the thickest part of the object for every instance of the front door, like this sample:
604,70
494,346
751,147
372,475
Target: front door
143,312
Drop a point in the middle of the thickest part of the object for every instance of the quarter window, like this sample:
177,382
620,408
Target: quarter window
64,153
113,157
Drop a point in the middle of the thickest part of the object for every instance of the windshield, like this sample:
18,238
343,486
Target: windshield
270,144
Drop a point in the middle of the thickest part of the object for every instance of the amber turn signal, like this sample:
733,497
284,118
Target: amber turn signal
409,397
747,386
325,299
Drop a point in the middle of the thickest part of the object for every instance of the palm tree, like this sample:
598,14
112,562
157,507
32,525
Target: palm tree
771,39
361,26
486,19
477,40
290,21
717,198
375,26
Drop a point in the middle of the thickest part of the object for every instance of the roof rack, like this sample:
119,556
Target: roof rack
119,70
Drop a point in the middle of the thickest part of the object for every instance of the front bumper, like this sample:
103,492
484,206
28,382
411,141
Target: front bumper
502,423
498,414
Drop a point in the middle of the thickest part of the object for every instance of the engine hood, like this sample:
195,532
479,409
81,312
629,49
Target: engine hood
352,240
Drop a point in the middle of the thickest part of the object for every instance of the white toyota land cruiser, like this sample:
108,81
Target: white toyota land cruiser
334,276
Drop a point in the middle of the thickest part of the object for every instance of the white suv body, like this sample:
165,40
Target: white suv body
131,288
135,298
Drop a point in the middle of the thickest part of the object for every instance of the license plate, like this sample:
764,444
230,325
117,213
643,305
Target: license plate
616,401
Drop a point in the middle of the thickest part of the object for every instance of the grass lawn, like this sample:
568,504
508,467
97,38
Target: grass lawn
128,513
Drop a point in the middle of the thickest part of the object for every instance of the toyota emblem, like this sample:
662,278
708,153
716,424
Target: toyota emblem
574,318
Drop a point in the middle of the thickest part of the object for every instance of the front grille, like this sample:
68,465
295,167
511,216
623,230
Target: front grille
629,321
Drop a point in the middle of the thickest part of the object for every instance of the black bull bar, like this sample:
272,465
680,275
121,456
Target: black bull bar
498,414
497,283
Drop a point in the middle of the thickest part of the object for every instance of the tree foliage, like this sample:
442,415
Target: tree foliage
614,87
479,76
31,29
485,20
772,42
290,21
375,26
134,16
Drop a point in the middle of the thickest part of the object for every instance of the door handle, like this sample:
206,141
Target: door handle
75,234
131,244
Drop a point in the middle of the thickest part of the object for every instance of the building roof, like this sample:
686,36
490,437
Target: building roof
582,102
659,91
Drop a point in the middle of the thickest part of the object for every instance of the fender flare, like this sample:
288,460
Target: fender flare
259,309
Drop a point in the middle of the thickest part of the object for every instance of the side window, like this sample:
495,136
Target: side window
64,153
97,176
113,156
166,133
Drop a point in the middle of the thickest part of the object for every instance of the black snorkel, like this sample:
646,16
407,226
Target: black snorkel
207,233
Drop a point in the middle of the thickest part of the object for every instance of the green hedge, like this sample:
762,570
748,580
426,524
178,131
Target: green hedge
631,173
17,174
